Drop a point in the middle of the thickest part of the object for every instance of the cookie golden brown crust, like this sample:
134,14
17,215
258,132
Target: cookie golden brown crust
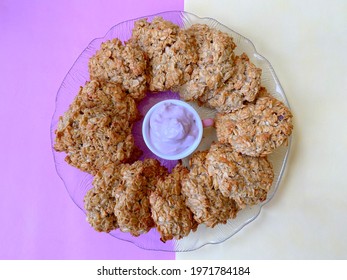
257,129
208,205
215,62
241,87
99,205
121,64
120,196
96,129
172,217
245,179
153,37
132,207
99,201
171,52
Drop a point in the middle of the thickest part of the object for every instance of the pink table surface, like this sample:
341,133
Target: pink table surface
39,42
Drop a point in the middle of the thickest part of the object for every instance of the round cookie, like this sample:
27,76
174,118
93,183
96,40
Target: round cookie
132,207
241,87
171,52
215,62
99,202
245,179
172,217
208,205
257,129
121,64
96,129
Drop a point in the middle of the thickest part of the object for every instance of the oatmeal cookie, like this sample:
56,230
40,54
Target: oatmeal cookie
215,61
121,64
245,179
208,205
172,217
99,202
241,87
132,207
96,129
258,128
171,52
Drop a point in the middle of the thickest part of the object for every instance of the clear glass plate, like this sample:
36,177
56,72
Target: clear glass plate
78,183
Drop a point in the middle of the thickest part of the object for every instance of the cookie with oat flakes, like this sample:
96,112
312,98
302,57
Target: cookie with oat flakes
258,128
99,202
171,52
245,179
208,204
240,88
215,62
132,207
96,129
121,64
173,219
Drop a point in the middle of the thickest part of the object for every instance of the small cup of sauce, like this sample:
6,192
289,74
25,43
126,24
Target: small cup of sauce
172,129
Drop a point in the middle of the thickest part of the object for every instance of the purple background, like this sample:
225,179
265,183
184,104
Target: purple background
39,42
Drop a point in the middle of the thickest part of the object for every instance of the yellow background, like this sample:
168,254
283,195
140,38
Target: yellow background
306,43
